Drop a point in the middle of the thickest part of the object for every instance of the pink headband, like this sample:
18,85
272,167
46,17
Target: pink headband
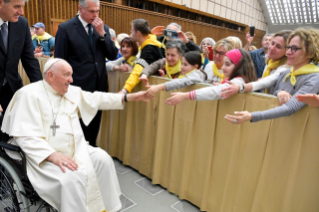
234,55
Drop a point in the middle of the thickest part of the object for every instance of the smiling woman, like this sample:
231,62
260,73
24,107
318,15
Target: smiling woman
302,78
170,66
126,63
213,69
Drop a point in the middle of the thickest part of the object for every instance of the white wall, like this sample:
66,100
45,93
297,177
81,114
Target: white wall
243,11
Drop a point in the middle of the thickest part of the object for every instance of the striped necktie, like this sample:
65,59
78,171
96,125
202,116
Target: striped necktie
90,33
4,33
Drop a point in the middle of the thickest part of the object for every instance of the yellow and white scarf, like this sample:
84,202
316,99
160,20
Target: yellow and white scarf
216,73
270,66
46,36
306,69
172,70
182,76
130,61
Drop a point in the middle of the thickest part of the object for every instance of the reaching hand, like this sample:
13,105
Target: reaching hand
231,90
139,96
159,30
248,38
62,161
177,98
162,72
205,52
182,36
283,97
99,26
150,93
125,68
1,110
144,79
310,99
239,117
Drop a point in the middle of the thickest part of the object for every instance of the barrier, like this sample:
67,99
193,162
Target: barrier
194,152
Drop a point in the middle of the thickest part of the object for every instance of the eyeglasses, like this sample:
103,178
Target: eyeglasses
220,53
293,49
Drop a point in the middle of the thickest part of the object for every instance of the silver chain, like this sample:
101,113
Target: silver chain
54,118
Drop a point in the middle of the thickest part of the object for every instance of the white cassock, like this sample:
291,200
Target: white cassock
94,186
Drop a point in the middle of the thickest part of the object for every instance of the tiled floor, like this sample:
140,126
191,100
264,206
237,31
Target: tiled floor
139,195
148,197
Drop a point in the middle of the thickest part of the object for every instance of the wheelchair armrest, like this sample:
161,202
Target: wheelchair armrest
10,146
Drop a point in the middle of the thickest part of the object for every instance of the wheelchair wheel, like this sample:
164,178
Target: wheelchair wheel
11,200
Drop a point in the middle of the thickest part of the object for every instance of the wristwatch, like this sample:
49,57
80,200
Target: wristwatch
241,88
102,38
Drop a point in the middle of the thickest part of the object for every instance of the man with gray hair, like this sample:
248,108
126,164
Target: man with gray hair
159,31
15,45
84,41
65,171
258,55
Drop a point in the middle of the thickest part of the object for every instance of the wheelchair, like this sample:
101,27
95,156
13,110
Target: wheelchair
16,192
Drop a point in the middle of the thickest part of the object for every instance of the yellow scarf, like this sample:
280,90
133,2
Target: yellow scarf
306,69
203,58
182,76
46,36
216,73
152,40
270,66
33,37
130,61
171,70
163,43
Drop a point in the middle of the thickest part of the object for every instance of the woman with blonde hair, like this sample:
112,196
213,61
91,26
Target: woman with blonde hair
191,37
237,41
213,69
302,78
251,48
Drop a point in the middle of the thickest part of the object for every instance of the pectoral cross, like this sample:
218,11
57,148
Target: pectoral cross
54,127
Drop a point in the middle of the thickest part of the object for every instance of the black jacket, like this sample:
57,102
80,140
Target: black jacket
19,47
88,62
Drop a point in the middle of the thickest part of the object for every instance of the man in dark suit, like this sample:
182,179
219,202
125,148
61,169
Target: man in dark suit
84,41
15,44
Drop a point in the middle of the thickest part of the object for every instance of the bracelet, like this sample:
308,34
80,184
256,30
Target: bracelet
125,97
242,88
124,90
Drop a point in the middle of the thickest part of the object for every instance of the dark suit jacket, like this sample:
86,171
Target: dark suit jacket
19,47
88,62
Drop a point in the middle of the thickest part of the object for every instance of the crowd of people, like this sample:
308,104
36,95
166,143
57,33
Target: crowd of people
63,110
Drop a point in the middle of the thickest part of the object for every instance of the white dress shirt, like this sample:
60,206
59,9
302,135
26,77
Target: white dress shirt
85,25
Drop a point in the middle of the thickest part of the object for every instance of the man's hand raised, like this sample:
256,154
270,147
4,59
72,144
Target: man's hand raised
99,26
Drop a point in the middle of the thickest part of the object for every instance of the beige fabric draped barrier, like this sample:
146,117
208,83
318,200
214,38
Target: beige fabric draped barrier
194,152
24,75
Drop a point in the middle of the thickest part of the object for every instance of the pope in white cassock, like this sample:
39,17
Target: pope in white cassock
43,119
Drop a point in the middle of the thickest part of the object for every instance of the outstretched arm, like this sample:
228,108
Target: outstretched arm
310,99
177,98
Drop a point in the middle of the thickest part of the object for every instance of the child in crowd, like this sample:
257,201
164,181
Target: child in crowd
237,68
190,74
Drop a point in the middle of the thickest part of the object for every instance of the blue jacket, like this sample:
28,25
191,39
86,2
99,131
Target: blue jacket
46,44
258,57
